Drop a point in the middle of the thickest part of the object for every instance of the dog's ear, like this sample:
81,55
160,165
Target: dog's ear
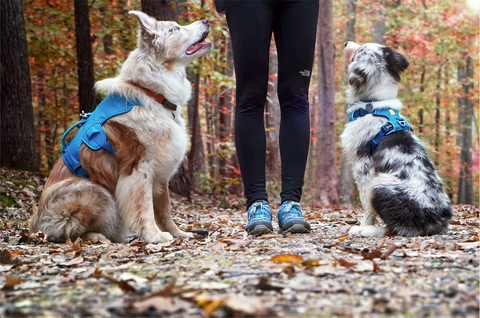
147,23
357,77
396,63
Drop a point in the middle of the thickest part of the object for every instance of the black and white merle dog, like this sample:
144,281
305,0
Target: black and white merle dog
395,178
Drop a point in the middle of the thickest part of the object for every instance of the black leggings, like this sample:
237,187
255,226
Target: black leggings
294,25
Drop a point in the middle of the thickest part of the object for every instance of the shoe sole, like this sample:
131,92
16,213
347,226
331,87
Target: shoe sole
296,228
260,230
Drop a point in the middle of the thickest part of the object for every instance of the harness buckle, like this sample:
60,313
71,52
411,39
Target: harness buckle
83,115
401,122
388,127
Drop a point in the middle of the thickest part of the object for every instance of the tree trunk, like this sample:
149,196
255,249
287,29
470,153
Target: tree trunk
465,186
437,117
17,128
86,79
196,156
210,133
352,18
272,121
346,174
422,90
180,182
159,9
378,27
327,178
311,156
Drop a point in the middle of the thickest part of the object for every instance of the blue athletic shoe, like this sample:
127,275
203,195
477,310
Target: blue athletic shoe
290,218
259,219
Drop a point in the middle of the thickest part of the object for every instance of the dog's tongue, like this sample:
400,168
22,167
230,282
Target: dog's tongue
195,47
192,49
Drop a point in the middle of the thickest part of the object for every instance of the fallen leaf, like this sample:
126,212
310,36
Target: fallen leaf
209,304
249,305
373,254
12,281
380,244
286,258
125,286
467,245
14,254
344,263
5,257
326,270
364,266
343,238
66,260
269,235
264,284
389,250
424,244
240,244
161,304
309,263
76,249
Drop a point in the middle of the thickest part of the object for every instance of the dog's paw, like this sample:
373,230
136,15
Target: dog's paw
184,234
159,237
95,238
355,230
368,230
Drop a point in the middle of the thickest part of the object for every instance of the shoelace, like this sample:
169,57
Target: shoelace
255,210
292,210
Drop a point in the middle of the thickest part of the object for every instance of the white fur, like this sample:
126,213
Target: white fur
141,204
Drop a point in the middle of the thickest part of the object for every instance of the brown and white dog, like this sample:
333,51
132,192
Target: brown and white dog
127,192
397,181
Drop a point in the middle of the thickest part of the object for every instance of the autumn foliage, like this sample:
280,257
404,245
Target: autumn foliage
437,36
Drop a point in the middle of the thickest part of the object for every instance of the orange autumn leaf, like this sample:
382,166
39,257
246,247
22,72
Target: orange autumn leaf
344,263
343,238
12,281
286,258
210,305
15,253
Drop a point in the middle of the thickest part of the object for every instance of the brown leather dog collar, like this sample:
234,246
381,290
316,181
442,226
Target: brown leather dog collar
158,97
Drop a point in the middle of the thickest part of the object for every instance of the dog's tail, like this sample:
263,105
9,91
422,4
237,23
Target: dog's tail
411,212
72,207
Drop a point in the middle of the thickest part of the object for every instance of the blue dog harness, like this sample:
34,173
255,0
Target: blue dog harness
91,132
395,122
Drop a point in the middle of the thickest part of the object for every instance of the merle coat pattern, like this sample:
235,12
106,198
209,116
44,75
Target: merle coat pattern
398,182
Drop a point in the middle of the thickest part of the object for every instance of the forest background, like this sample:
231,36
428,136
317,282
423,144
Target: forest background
439,89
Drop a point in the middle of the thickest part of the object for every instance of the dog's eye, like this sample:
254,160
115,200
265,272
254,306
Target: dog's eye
175,28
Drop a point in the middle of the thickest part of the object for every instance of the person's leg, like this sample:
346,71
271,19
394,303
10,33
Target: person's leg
251,25
295,35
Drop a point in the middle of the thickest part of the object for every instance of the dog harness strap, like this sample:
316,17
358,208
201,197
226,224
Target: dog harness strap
91,132
395,122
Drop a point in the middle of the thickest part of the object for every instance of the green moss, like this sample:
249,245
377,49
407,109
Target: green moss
45,174
22,183
7,200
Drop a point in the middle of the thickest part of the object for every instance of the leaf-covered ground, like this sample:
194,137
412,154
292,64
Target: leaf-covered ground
229,274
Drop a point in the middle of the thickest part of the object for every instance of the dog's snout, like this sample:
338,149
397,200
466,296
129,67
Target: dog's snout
346,43
206,22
